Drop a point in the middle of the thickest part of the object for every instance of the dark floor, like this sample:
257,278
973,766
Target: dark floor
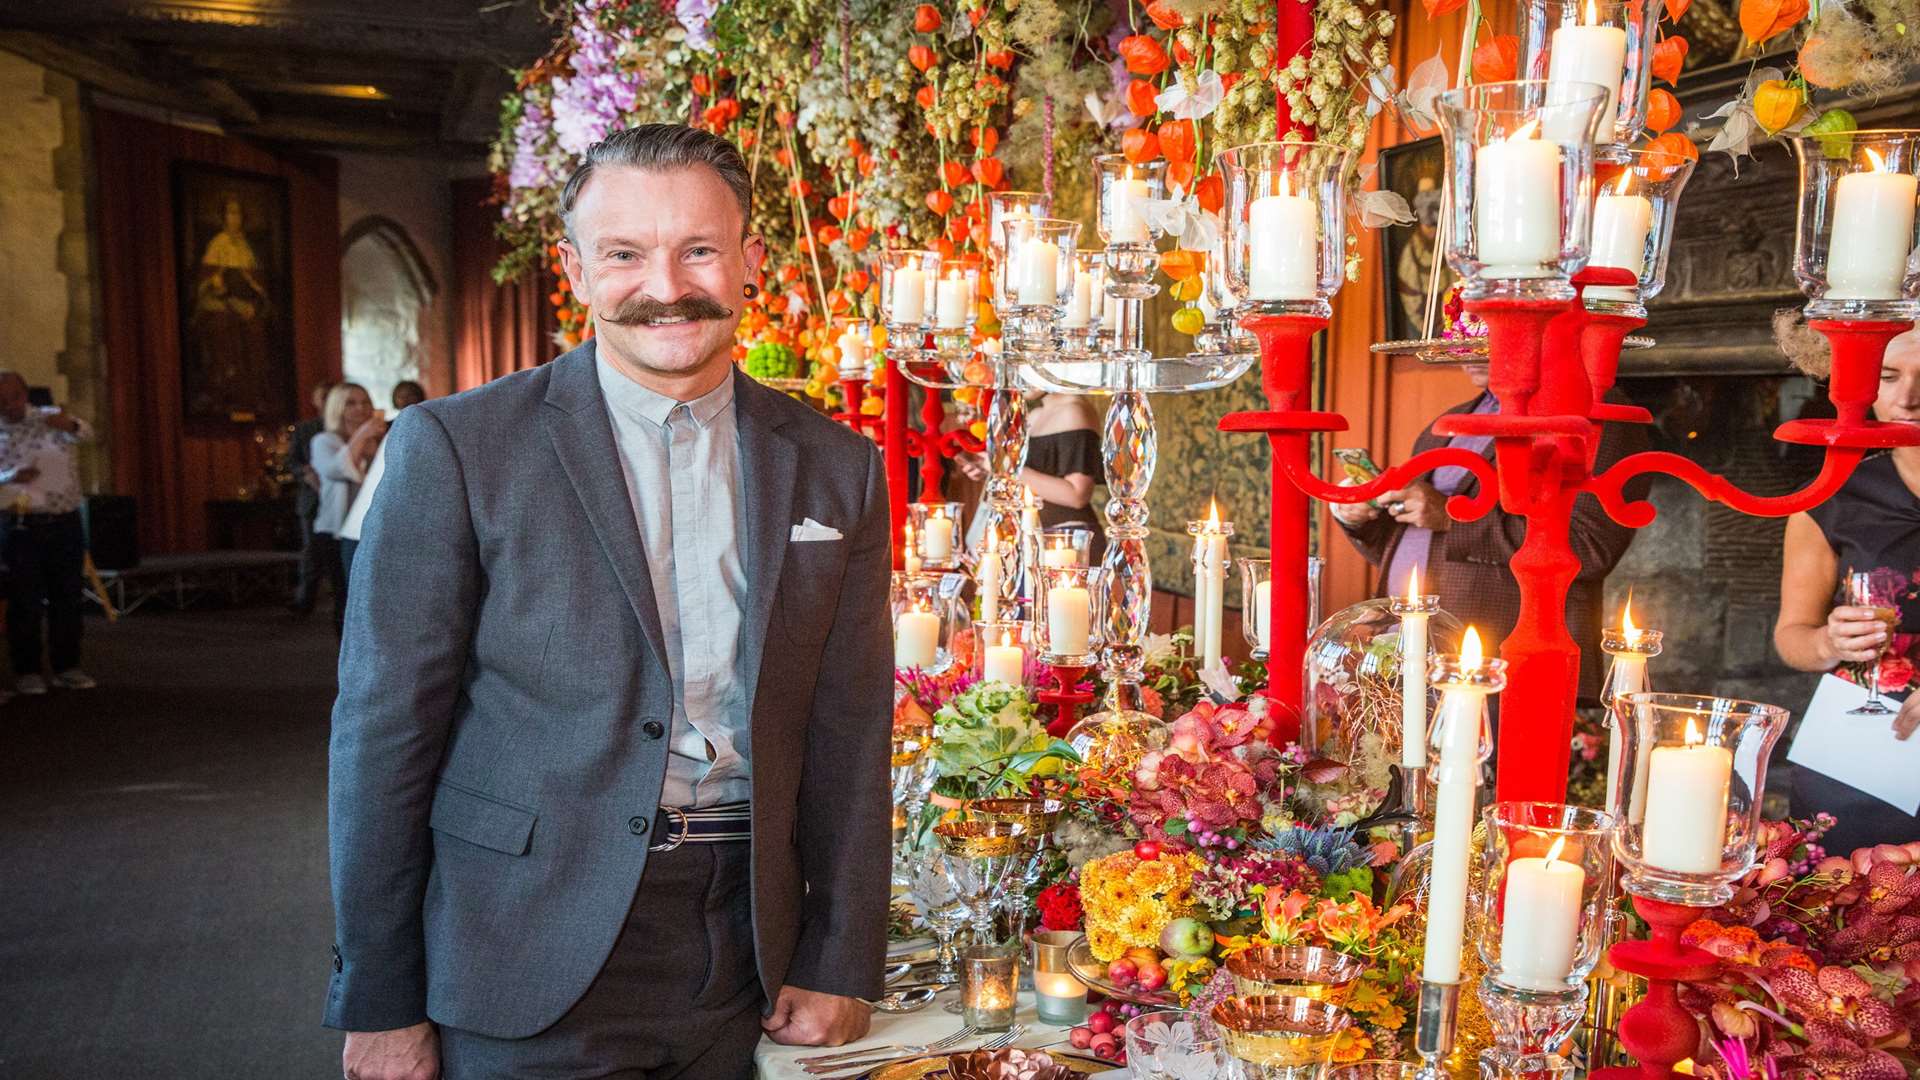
163,878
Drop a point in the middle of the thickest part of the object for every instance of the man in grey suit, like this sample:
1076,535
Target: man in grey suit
609,788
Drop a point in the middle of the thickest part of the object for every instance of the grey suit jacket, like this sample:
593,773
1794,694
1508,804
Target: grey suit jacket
498,748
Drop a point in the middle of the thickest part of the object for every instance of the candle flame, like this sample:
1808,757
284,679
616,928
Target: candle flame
1626,618
1593,14
1032,499
1875,163
1626,178
1286,187
1694,737
922,605
1213,516
1553,853
1006,638
1413,586
1471,656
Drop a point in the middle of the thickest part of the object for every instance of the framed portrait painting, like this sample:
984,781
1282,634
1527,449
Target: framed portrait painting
1415,170
233,252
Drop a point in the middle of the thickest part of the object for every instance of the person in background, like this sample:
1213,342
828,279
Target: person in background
404,394
46,546
340,454
306,499
1872,522
1466,562
1063,464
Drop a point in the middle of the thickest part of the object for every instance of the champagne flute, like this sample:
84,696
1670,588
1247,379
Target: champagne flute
1879,592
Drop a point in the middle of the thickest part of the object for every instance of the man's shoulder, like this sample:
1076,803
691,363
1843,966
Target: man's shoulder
804,424
507,400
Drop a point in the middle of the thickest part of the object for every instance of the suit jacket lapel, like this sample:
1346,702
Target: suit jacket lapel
582,436
768,465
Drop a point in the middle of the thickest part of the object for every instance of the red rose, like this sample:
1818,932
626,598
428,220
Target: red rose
1059,906
1896,673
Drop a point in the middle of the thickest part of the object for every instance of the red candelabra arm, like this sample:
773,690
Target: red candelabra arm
1610,487
932,415
1459,507
894,452
1066,697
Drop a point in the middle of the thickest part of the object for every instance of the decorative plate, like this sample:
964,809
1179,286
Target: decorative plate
1094,973
927,1068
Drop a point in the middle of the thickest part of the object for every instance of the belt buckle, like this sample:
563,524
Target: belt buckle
684,828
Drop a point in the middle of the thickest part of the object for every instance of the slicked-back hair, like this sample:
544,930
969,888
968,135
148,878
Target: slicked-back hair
655,147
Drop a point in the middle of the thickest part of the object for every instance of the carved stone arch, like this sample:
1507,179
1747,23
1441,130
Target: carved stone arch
386,287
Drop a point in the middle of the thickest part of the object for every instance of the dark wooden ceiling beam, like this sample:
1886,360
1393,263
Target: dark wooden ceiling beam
117,74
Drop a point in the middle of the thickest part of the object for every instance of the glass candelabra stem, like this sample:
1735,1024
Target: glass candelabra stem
1006,457
1129,452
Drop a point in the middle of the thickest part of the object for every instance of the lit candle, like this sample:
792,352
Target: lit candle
1058,985
916,638
1516,204
1263,614
1413,676
953,301
1284,246
1127,218
854,353
936,546
1060,552
990,578
1097,297
1037,269
912,552
1687,789
1029,511
1005,662
1621,222
1457,775
1210,587
910,295
1872,232
1080,311
1590,54
1540,924
1069,614
1629,677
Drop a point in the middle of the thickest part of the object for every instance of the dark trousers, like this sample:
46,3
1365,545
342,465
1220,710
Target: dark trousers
326,554
678,999
312,569
46,561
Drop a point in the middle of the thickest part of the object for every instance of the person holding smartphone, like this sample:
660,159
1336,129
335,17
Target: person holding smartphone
46,546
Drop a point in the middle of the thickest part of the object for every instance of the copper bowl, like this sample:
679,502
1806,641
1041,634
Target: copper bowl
1306,971
1037,816
1289,1032
1008,1064
979,839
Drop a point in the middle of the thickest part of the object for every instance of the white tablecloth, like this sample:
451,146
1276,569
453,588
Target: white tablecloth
776,1062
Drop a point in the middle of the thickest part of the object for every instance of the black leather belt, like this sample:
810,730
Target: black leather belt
726,824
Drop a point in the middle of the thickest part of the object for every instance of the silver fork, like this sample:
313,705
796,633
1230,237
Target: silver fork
862,1068
927,1048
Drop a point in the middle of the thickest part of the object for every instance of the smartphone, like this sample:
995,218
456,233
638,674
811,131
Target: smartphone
1359,467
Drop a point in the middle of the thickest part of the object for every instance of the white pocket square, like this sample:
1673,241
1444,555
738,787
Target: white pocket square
813,530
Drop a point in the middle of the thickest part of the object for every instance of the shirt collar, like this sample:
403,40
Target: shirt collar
638,401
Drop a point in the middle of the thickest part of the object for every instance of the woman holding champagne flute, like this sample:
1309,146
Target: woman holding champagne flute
1850,603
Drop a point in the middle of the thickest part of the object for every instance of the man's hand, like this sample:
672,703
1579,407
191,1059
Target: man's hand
1353,515
1854,635
26,474
1420,505
809,1018
1908,718
408,1053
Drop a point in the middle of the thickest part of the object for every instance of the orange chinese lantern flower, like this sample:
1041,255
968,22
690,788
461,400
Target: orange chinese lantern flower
1000,58
1180,174
954,173
944,246
1663,110
839,207
921,57
828,233
1437,8
958,228
1211,191
1164,16
985,139
1764,20
1677,9
925,96
989,171
1668,56
858,239
1176,141
1140,98
1180,264
1775,104
702,84
940,202
926,18
857,280
715,118
1668,153
1140,146
785,159
1498,60
865,164
1143,55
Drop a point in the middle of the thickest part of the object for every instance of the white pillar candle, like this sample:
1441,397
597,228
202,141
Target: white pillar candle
1210,601
1620,227
916,639
990,579
953,300
1005,662
1413,687
1069,614
1030,513
1060,554
1284,243
1629,677
1516,206
1687,789
1457,777
1540,921
1872,233
909,295
1097,296
1080,310
1037,269
937,545
854,353
1127,218
1263,614
1588,54
912,553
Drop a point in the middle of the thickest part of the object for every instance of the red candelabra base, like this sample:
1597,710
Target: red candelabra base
1657,1031
1066,697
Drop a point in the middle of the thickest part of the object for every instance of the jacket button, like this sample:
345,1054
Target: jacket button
337,965
638,825
653,729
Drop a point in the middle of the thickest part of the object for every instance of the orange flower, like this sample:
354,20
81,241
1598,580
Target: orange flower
1143,55
925,96
1763,20
1663,110
1437,8
1002,59
1775,104
1176,140
939,201
1180,264
1164,16
954,173
1666,154
985,139
989,171
1140,98
1180,174
1498,59
921,57
1211,191
1677,9
858,280
1140,146
926,18
702,84
1668,56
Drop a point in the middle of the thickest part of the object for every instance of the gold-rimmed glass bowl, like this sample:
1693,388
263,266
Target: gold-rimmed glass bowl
979,856
1304,971
1280,1038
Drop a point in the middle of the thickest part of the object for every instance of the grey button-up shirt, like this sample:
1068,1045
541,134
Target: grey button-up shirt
682,466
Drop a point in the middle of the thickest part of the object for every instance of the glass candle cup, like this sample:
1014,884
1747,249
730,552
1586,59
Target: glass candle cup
1065,545
1000,651
1693,772
1547,869
1856,224
1064,628
1086,307
925,616
1126,226
988,979
907,280
1059,997
1633,215
1256,605
1034,282
1521,158
1286,225
936,533
1174,1044
1279,1038
1003,205
853,342
955,295
1607,43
